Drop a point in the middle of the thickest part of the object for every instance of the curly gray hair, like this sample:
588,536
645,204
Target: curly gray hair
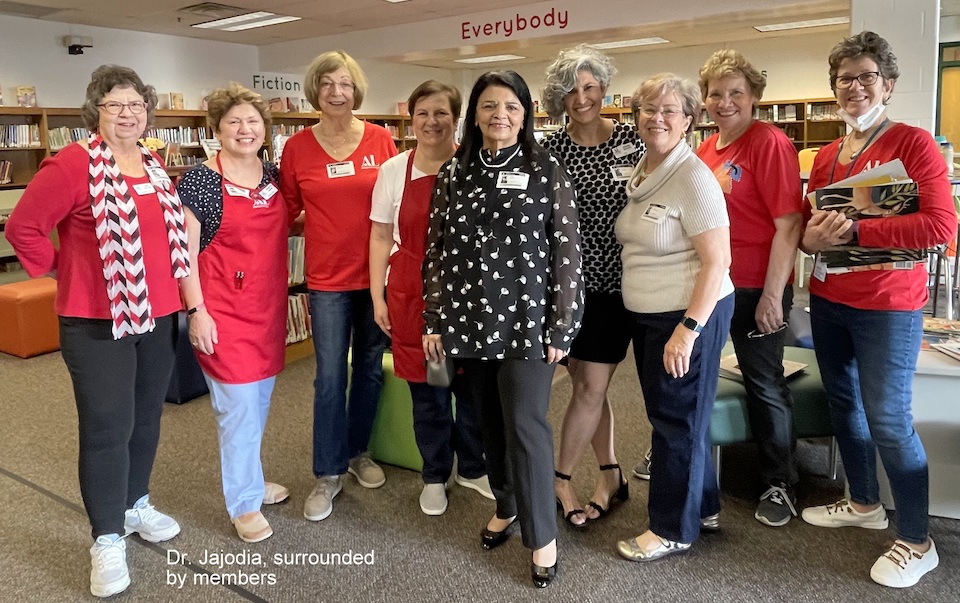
561,76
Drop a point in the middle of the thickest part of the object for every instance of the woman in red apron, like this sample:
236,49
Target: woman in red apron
400,212
236,298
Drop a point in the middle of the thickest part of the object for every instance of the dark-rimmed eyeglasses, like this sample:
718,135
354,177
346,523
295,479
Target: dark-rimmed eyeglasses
114,108
867,78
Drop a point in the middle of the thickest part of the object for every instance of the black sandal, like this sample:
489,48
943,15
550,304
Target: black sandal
622,493
569,516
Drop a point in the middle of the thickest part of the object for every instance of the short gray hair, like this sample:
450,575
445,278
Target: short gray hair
688,92
561,76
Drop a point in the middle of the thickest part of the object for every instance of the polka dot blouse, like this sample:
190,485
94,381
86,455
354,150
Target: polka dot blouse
502,275
601,196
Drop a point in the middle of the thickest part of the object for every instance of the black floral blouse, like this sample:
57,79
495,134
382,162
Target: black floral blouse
502,274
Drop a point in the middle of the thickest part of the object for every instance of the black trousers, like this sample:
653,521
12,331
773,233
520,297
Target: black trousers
119,386
769,404
513,396
439,434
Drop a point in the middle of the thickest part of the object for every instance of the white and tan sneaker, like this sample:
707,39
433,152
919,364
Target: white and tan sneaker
903,566
841,514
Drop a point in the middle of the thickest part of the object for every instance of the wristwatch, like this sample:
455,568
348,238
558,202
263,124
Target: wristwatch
691,324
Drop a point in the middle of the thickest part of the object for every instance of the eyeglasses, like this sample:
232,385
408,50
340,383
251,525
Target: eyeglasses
667,112
328,85
867,78
758,334
114,108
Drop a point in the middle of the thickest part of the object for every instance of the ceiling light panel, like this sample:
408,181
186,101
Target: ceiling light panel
496,58
802,24
628,43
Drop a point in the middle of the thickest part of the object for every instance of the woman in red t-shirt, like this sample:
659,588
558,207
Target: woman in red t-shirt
867,324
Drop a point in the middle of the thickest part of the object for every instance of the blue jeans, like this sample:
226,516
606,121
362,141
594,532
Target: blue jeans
341,429
683,485
867,359
439,435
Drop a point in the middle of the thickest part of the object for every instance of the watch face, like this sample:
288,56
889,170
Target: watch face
691,324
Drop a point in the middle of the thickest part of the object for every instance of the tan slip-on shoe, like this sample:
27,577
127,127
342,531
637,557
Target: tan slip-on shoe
254,529
274,493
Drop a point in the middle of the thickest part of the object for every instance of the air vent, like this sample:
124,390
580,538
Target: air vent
208,10
17,9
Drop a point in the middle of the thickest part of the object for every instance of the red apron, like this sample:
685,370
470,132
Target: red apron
243,272
405,286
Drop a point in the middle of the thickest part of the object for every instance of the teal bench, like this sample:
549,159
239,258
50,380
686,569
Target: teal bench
730,423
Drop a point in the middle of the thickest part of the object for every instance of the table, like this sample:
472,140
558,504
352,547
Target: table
936,417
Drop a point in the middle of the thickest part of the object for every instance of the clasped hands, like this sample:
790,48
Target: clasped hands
826,229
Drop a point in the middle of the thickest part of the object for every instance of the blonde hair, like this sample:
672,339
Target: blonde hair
663,83
724,63
329,62
222,100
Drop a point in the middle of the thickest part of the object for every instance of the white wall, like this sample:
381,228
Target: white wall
34,55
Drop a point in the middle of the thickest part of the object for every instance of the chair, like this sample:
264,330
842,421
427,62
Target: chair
806,157
938,255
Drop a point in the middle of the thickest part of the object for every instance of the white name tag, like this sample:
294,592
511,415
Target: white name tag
819,269
513,180
268,191
158,176
627,148
340,170
654,213
144,188
236,191
621,172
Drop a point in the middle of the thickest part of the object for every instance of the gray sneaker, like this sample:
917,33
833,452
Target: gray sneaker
642,470
368,473
777,506
433,499
319,505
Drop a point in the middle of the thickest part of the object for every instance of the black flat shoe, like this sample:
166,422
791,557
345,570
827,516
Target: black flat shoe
490,540
568,517
543,576
622,493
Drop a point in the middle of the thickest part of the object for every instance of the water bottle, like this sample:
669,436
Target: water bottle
946,151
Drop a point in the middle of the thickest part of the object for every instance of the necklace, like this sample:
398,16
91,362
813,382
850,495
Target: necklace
491,164
855,156
332,141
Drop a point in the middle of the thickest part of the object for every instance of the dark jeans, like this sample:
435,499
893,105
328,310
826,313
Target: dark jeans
119,387
341,428
513,396
867,359
439,435
683,485
769,404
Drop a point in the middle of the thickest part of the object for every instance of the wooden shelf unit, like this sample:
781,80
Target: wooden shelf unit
807,122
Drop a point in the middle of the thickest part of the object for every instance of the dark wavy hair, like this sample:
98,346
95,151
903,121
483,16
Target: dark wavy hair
864,44
472,140
104,79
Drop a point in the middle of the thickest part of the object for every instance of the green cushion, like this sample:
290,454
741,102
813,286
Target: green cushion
392,440
811,415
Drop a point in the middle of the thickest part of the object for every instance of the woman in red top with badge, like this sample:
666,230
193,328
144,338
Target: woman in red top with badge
123,245
867,324
400,216
328,174
756,165
235,297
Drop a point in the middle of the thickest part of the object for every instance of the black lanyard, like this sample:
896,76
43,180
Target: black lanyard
853,158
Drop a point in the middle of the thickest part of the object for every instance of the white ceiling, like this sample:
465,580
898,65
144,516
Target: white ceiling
326,17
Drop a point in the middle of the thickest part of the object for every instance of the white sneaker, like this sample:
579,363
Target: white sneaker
480,484
842,514
150,524
433,499
902,566
108,566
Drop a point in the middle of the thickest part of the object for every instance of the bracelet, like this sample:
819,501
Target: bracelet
194,309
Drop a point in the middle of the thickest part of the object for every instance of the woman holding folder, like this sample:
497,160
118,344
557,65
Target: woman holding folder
867,324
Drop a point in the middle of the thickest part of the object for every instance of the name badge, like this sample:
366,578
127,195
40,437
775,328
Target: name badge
340,170
236,191
158,177
627,148
144,188
513,180
268,191
819,269
654,213
621,172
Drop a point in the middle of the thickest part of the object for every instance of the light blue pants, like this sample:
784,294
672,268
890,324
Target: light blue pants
241,413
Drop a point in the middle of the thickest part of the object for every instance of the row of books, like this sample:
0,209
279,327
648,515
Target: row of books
298,318
20,135
823,112
58,138
777,113
182,135
286,129
289,104
6,169
295,261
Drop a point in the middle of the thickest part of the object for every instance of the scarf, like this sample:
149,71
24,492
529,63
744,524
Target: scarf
639,188
118,234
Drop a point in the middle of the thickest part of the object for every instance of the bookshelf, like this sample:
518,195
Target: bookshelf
808,123
290,123
544,124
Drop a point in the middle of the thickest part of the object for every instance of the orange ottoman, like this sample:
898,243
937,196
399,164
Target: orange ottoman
28,323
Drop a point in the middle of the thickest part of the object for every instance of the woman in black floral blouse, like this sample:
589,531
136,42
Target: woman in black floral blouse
504,298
